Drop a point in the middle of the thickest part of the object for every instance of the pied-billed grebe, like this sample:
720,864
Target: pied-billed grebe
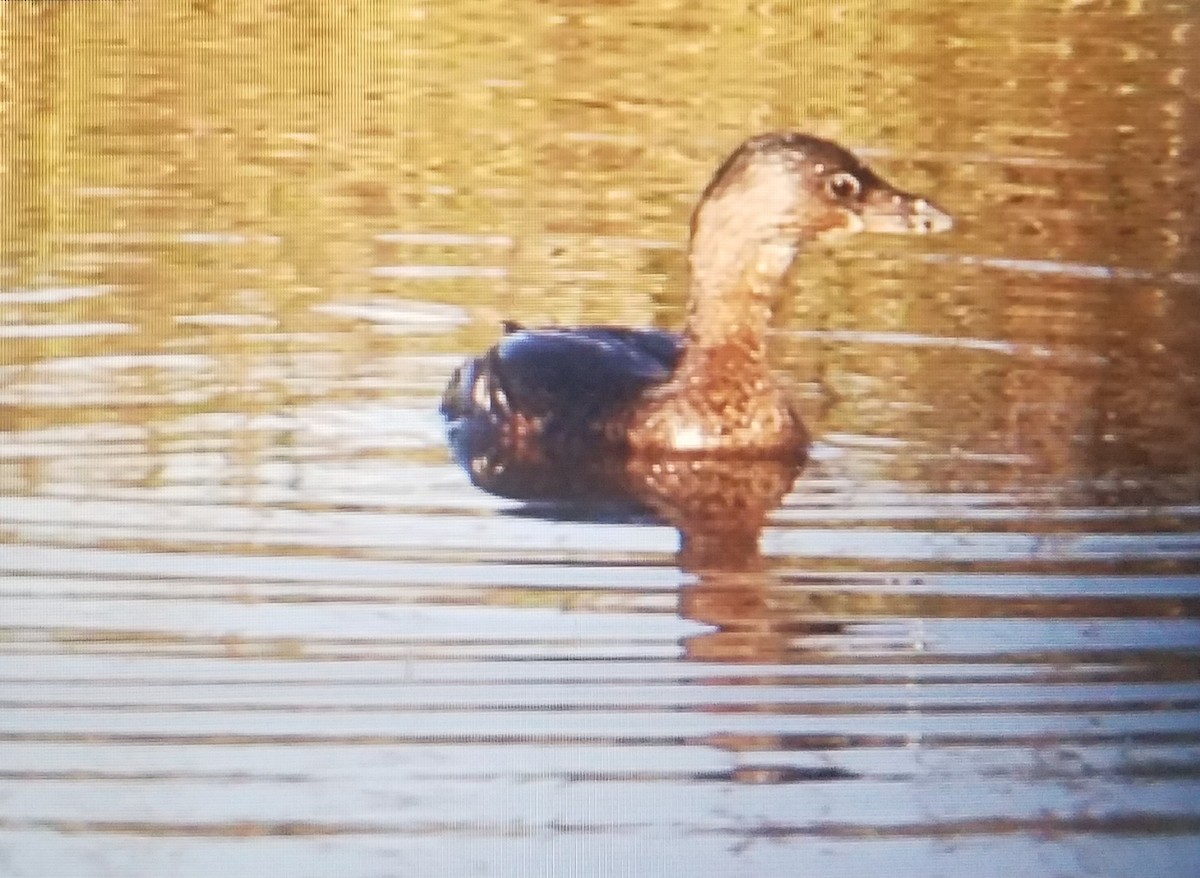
554,394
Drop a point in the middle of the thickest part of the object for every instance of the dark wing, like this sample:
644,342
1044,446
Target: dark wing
557,370
526,418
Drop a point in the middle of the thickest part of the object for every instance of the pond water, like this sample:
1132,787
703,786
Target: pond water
255,620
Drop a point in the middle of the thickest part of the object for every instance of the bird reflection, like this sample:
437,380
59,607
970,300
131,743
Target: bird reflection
719,505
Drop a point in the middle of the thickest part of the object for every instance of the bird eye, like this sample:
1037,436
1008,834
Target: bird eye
843,185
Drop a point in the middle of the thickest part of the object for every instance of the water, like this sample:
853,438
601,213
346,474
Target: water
253,617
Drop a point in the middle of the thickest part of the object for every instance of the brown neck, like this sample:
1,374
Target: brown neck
722,395
733,294
739,253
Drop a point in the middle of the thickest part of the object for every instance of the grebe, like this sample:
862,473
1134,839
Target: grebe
557,394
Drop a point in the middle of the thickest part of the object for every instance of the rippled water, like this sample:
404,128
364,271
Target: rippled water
254,620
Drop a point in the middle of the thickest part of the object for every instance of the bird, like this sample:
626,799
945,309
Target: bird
563,396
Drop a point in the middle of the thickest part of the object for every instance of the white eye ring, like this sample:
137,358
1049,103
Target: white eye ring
843,185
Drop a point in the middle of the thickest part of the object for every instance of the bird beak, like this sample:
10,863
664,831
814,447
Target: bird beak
886,209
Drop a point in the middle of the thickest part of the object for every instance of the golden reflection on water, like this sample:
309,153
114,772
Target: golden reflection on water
248,596
223,207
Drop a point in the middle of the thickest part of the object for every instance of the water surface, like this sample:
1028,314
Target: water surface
253,615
